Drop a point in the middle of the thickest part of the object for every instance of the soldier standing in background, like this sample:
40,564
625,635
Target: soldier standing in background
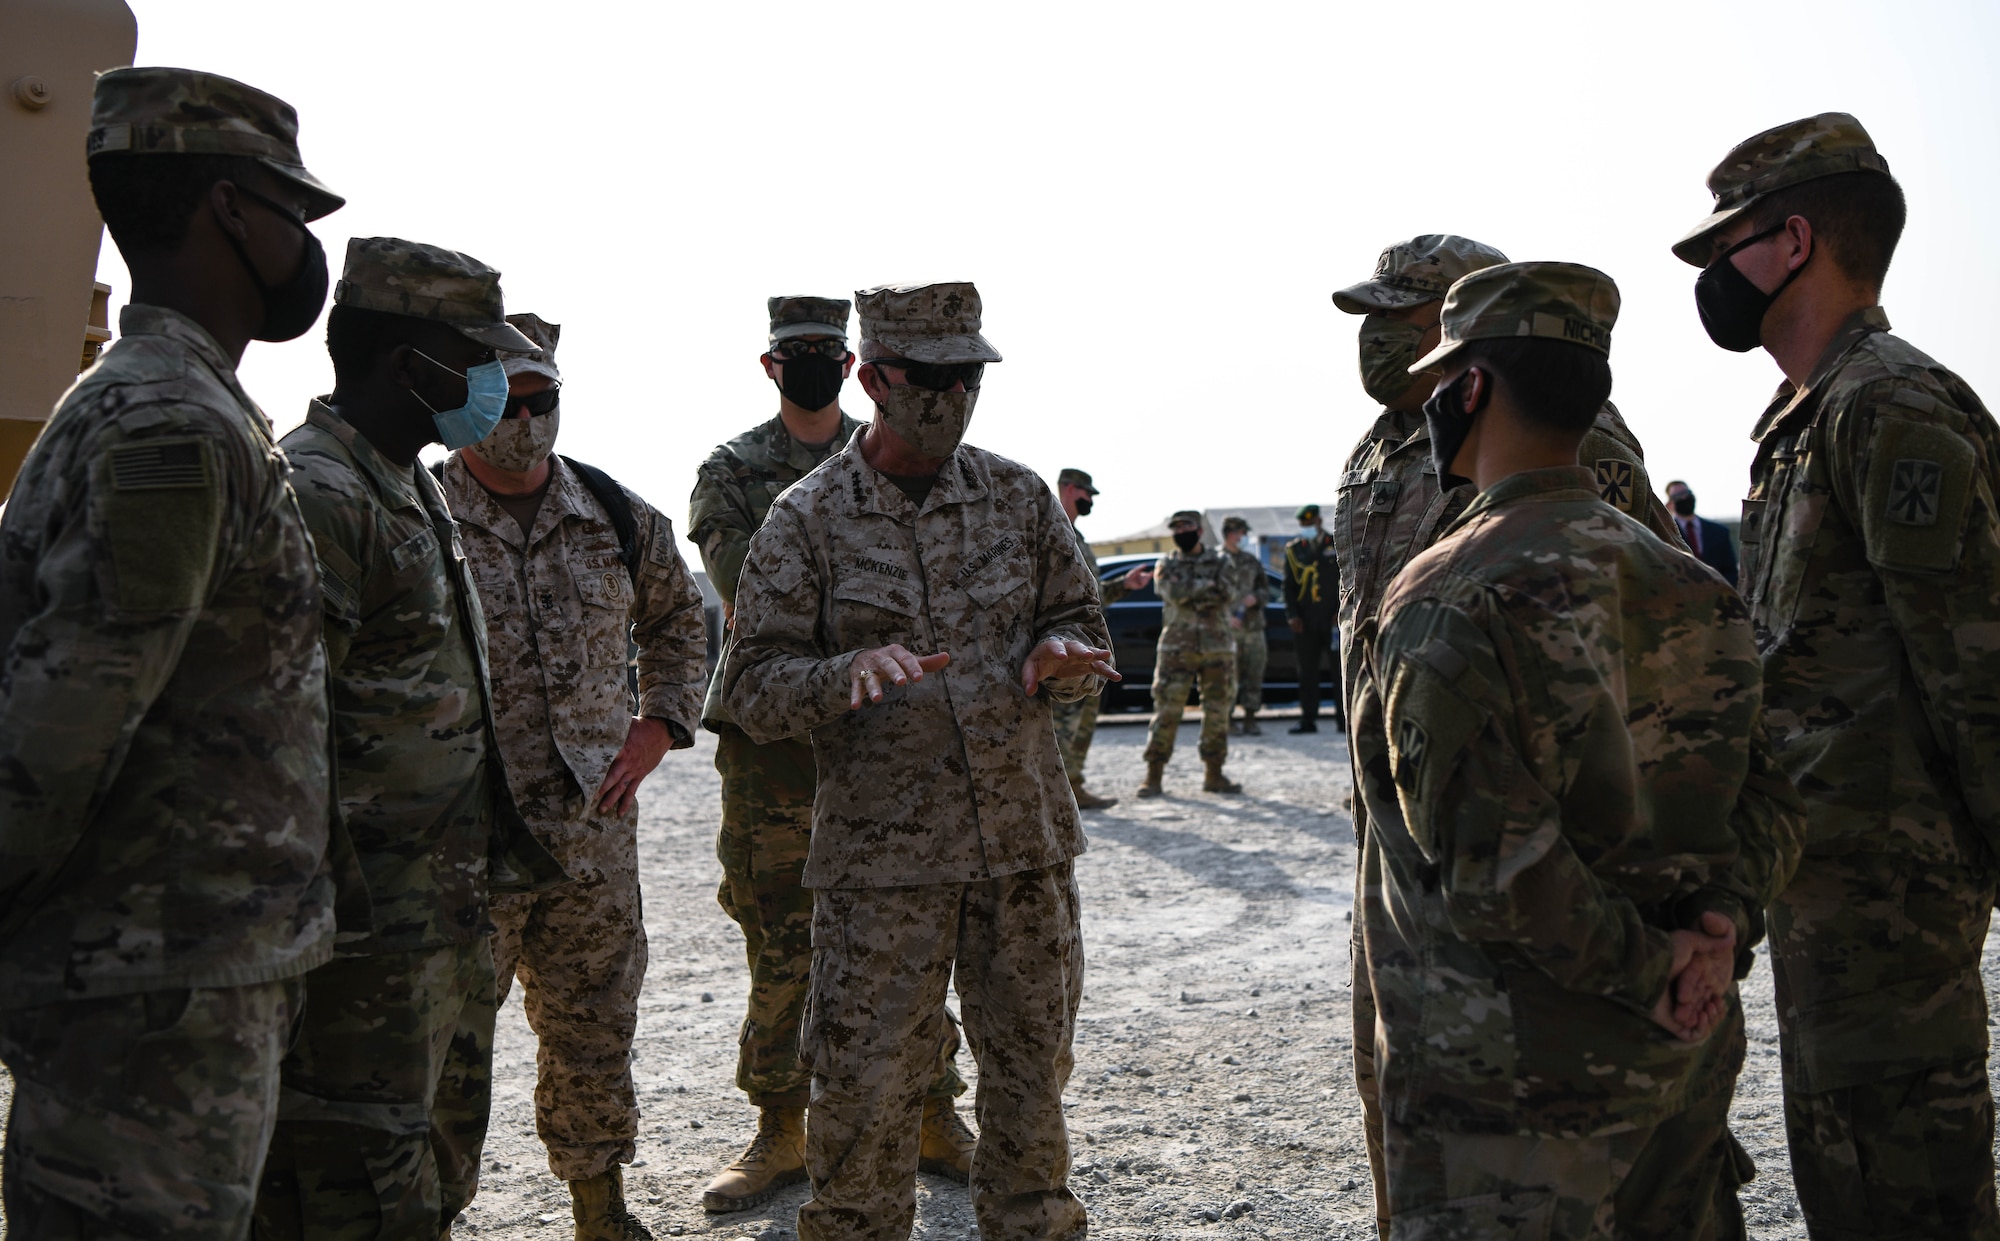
1575,816
388,1082
1247,618
1312,610
767,789
166,867
1198,587
1076,722
1871,564
568,563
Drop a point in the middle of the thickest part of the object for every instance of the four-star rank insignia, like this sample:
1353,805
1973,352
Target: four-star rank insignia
1915,491
1614,483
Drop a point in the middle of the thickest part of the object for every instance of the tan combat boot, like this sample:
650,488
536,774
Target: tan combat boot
775,1158
1155,768
1087,800
598,1205
947,1143
1215,781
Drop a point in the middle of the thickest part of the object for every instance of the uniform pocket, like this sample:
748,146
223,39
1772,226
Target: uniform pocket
871,612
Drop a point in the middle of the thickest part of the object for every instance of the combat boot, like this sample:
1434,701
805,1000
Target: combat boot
598,1205
775,1158
947,1142
1155,769
1251,728
1087,800
1215,781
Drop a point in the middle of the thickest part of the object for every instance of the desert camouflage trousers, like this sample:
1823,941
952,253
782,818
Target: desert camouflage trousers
882,959
1174,677
767,798
1883,1034
1076,726
143,1115
580,953
385,1100
1253,654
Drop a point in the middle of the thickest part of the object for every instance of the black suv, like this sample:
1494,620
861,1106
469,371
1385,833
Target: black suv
1135,624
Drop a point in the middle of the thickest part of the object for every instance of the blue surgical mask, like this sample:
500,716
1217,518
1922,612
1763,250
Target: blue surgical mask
485,402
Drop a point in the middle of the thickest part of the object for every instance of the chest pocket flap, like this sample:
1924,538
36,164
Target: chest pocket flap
874,606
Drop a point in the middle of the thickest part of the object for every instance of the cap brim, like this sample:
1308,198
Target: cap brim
1693,248
320,200
1373,295
502,336
971,347
1430,360
530,366
787,331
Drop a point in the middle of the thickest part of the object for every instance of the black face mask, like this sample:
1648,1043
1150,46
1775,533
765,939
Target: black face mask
1684,505
1732,308
1083,506
294,305
812,381
1449,424
1187,539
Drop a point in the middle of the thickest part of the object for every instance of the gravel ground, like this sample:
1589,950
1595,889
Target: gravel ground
1212,1095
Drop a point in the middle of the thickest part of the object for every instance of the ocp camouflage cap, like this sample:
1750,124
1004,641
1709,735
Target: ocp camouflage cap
1818,146
542,361
808,316
1075,478
925,322
1186,514
1235,522
1416,271
399,277
160,111
1549,301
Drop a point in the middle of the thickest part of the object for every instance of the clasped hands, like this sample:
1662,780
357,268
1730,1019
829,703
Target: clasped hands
873,671
1697,991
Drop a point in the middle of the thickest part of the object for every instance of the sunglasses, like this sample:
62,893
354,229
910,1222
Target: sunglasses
937,376
829,348
540,403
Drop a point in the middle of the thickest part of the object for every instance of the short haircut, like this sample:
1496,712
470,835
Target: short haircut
1858,216
1556,383
1676,482
357,339
147,199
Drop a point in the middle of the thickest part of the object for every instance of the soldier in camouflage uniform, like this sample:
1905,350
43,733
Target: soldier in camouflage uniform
1575,816
165,868
767,789
1198,587
1392,504
1871,564
387,1084
1246,617
561,595
916,603
1076,722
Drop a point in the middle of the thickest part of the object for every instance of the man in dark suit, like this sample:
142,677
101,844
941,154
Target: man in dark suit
1708,540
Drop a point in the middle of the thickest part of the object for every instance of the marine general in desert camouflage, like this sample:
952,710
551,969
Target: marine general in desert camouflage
915,605
1575,816
165,868
1199,588
569,564
1871,563
387,1083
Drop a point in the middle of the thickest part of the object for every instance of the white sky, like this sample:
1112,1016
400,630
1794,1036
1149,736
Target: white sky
1155,200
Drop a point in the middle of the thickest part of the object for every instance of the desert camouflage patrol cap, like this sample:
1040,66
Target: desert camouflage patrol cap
1818,146
808,316
1551,301
1185,515
542,361
1075,478
1416,271
1235,522
399,277
160,111
925,322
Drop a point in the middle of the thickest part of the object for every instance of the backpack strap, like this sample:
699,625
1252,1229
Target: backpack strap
618,507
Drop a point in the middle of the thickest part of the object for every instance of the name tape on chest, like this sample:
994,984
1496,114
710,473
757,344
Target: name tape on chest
987,557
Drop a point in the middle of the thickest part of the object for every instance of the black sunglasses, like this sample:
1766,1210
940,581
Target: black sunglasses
829,348
937,376
538,404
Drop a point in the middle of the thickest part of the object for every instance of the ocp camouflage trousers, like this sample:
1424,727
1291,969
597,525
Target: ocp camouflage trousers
143,1115
882,959
1174,677
1253,654
386,1097
1076,726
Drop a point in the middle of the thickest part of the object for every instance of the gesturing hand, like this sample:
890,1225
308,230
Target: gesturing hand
887,665
1062,657
1697,992
1139,577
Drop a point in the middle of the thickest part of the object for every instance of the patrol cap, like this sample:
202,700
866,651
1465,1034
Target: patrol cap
160,111
1552,301
542,361
398,277
1075,478
1818,146
1416,271
1307,512
1186,514
936,322
808,316
1235,522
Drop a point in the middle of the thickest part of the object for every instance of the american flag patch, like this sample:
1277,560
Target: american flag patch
170,463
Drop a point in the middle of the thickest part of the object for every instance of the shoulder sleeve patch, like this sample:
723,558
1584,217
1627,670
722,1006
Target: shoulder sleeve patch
1429,722
162,520
1617,482
1914,500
